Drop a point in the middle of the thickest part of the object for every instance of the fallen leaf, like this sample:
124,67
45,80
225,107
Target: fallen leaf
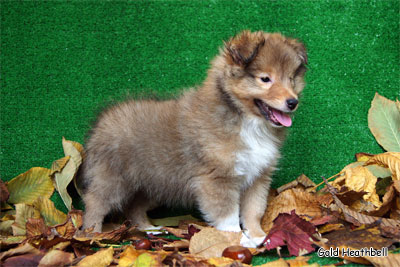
50,214
178,244
128,256
59,164
391,260
21,249
390,160
330,227
302,181
360,179
56,258
66,174
23,213
149,259
293,231
23,260
77,153
113,236
210,242
3,192
36,227
304,203
298,261
28,186
101,258
360,238
357,218
384,123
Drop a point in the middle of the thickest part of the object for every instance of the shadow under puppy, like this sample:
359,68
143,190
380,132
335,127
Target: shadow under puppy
215,147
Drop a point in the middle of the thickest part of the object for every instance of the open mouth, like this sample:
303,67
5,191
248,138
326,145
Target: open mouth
273,115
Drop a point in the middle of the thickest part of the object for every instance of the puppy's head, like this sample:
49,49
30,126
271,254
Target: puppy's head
264,74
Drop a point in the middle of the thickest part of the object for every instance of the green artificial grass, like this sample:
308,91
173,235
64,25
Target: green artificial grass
62,61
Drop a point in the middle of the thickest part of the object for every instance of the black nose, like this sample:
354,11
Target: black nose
292,103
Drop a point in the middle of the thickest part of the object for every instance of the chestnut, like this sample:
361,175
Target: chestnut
143,244
239,253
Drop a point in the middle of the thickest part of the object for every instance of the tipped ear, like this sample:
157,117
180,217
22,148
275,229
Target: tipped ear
299,48
243,48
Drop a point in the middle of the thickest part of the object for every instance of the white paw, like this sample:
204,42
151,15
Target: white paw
230,224
155,230
247,241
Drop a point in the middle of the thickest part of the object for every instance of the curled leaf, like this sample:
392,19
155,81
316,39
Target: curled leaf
390,160
51,215
28,186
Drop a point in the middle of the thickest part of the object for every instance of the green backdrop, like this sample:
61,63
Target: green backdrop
62,61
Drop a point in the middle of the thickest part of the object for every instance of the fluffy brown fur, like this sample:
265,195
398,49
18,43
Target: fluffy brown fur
215,147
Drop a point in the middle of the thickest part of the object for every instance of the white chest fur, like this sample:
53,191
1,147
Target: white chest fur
260,149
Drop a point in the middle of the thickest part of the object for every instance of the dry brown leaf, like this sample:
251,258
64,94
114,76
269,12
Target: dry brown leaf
357,218
21,249
390,160
56,258
178,244
210,242
101,258
392,260
302,182
304,203
36,227
387,203
330,227
50,214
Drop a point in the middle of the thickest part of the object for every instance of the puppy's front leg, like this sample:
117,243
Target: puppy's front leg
253,204
218,200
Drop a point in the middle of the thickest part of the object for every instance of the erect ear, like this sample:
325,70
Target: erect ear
243,48
299,48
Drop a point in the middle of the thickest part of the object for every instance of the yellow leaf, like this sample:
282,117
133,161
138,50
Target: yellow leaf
28,186
101,258
361,179
59,164
23,213
128,256
278,263
148,260
390,160
384,123
51,215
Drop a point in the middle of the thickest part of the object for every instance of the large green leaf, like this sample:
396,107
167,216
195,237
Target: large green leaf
384,123
28,186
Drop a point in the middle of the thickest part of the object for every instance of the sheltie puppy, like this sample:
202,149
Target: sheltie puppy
214,148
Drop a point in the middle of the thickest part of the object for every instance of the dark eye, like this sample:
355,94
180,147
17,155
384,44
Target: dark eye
265,79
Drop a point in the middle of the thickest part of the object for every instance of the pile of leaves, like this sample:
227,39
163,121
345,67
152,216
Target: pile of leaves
359,208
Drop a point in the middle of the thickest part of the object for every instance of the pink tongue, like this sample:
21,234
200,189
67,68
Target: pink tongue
283,119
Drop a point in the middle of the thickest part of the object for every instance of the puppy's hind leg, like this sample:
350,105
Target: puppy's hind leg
136,211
